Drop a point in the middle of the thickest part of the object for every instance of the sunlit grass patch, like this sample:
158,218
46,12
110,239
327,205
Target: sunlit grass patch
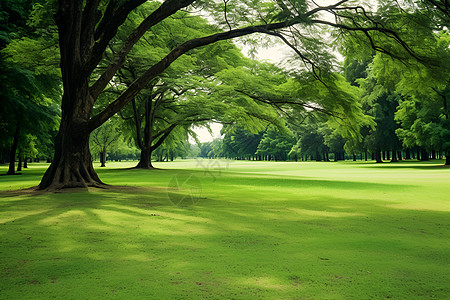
259,230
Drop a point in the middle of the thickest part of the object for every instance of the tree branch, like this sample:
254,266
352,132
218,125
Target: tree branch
443,8
225,2
366,30
164,63
276,104
305,59
167,132
322,8
166,9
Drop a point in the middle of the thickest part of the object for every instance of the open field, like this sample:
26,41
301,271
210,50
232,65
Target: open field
227,229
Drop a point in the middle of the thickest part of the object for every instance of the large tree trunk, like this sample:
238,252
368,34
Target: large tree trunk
151,141
72,165
145,161
447,159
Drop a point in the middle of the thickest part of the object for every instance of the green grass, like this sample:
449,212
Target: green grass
259,230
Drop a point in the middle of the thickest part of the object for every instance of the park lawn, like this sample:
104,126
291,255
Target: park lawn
240,230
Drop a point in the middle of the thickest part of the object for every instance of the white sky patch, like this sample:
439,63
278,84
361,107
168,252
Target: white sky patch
204,135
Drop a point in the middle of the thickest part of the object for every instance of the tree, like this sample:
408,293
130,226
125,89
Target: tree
104,138
28,81
170,103
335,143
423,112
157,111
423,125
86,28
381,103
310,138
275,144
240,143
419,87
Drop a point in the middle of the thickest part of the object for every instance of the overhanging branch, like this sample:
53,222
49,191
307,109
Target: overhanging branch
366,30
163,64
159,67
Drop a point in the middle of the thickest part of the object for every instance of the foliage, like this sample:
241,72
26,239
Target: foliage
30,85
105,139
239,143
275,144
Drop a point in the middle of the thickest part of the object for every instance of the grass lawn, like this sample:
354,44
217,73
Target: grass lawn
255,230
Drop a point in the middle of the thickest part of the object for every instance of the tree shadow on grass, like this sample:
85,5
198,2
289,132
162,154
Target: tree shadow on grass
122,240
125,241
280,182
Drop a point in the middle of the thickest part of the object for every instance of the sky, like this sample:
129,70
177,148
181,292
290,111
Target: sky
204,135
